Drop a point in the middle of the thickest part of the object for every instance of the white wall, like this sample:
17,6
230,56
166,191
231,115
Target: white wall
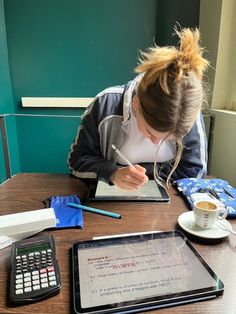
225,78
217,26
223,154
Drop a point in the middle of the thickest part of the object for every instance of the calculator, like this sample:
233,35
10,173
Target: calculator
34,270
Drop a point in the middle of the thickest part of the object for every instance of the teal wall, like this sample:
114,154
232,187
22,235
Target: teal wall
6,99
69,48
72,48
46,142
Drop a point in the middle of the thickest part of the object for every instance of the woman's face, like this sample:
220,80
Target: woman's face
153,135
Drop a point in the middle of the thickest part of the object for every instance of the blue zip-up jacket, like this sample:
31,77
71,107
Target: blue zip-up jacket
105,123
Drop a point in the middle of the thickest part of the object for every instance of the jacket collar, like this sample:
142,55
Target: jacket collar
128,95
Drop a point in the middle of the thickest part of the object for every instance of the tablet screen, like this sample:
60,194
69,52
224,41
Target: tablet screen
148,189
148,192
133,271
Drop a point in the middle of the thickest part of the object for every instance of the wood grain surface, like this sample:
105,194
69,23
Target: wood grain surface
26,192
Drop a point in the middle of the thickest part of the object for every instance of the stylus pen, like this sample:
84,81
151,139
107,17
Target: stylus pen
95,210
121,155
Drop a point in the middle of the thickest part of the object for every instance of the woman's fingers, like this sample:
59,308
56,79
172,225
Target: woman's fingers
129,178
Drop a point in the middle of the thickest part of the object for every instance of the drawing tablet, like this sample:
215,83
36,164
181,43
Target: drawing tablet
100,191
142,272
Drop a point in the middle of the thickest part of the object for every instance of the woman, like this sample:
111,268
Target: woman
155,121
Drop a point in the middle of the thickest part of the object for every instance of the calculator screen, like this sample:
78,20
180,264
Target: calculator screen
34,248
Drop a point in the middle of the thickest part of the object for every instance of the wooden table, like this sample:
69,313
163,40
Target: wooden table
26,192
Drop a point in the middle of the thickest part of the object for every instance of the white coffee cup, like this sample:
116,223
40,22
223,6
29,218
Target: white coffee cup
207,212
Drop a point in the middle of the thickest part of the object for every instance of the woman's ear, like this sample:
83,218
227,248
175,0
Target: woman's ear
136,103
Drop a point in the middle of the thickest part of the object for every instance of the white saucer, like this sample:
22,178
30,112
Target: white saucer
186,222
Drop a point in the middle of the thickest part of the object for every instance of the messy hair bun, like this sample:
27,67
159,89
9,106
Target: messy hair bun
171,64
171,91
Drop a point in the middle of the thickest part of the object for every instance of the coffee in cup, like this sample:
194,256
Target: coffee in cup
207,212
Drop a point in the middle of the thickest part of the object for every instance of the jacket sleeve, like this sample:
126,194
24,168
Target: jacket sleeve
193,163
85,158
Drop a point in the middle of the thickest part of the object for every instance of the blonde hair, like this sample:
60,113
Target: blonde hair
171,90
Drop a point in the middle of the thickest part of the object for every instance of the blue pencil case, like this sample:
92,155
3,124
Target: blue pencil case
67,217
224,192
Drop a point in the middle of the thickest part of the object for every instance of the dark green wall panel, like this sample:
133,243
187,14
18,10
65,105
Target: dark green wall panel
12,135
45,142
69,48
175,12
3,175
75,48
6,99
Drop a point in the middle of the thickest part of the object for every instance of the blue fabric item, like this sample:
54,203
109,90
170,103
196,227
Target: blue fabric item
189,186
67,217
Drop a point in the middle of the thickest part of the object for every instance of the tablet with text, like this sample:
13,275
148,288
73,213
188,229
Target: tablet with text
151,191
133,274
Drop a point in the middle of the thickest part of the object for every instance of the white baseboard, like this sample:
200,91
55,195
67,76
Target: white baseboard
56,102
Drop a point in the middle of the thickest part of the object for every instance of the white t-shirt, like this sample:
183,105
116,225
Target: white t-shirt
140,149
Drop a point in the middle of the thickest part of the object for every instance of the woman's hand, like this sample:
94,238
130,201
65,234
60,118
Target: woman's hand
129,178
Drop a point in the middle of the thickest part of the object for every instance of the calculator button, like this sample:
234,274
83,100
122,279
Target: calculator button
35,282
52,278
19,276
35,277
19,291
27,284
52,273
35,272
27,275
44,280
43,270
44,285
52,283
37,287
28,289
23,256
43,276
51,268
19,286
